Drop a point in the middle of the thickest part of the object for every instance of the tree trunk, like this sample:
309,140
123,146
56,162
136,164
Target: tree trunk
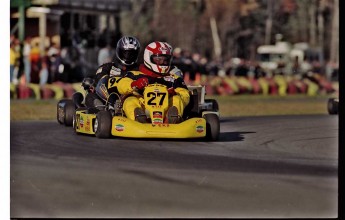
320,24
312,27
334,53
216,39
156,15
268,28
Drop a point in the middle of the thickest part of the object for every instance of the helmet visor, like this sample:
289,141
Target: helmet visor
161,59
128,56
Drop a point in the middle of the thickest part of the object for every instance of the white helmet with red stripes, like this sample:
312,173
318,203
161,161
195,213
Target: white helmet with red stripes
158,56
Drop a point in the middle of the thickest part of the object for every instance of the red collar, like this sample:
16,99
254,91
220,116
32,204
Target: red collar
146,71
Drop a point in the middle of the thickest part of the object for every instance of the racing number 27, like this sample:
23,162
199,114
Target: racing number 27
153,97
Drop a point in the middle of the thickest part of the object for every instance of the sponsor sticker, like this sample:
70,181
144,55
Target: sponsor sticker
119,127
115,71
157,117
157,121
198,121
199,129
81,122
87,127
163,125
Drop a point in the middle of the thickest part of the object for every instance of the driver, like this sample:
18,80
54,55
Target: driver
156,69
104,82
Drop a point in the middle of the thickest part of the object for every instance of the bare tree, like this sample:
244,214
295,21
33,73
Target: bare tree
214,31
268,27
334,50
312,24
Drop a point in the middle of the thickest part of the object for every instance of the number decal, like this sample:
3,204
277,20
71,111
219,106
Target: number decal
162,99
112,82
153,96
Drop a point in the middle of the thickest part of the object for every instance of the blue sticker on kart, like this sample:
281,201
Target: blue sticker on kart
81,122
87,127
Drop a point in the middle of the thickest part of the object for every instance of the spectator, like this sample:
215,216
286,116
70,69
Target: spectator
26,59
43,74
54,60
35,64
242,69
104,55
12,38
70,59
13,60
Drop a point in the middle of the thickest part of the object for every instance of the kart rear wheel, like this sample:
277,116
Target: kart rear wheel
332,106
212,127
60,110
69,111
102,125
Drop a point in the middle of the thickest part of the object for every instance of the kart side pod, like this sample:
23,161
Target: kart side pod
191,128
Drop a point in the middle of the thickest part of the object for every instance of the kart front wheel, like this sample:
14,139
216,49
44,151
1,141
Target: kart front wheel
102,125
212,127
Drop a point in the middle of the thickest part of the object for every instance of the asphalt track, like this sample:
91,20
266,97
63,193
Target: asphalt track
277,166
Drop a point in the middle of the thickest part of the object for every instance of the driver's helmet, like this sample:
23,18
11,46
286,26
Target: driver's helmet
127,50
158,57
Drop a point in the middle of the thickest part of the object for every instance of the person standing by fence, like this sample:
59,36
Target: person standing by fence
27,59
13,59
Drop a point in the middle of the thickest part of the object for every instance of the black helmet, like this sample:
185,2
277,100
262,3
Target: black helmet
127,50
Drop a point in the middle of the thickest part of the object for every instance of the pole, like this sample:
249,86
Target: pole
21,21
42,32
21,35
216,39
268,29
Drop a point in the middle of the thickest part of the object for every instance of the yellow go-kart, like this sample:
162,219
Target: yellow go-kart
200,119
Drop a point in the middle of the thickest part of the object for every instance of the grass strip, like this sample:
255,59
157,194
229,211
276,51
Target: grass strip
229,106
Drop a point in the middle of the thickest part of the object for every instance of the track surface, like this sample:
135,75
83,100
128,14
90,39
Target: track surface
278,166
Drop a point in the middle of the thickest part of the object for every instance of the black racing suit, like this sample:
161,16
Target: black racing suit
105,83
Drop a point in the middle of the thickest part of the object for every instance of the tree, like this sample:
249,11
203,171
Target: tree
242,25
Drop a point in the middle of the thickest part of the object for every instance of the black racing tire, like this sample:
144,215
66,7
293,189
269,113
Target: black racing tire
215,106
69,111
332,106
212,127
102,124
60,110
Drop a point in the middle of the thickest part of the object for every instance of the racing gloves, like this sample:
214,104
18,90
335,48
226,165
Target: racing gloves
171,91
140,83
88,84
